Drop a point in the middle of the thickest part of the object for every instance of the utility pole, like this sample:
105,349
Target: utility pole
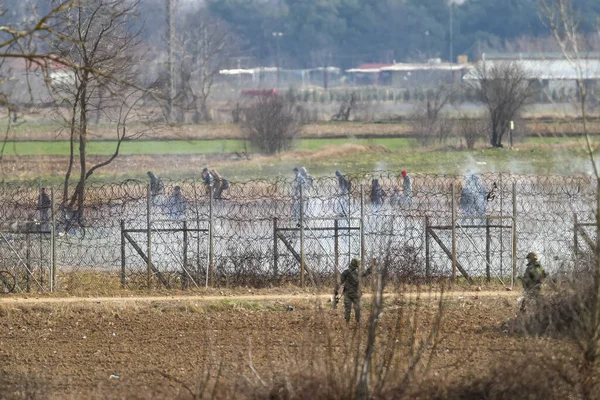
277,36
170,68
451,31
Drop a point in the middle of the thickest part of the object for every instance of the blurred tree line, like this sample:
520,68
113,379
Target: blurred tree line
345,33
348,32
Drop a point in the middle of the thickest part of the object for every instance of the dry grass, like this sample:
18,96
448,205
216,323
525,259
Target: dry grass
222,131
539,126
327,153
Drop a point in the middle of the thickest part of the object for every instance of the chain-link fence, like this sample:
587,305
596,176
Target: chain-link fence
258,233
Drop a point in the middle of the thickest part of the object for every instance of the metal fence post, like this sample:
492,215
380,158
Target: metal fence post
575,240
197,212
488,250
513,277
362,235
427,255
336,250
301,236
149,237
28,256
275,251
123,254
349,223
211,254
53,285
184,273
502,224
453,204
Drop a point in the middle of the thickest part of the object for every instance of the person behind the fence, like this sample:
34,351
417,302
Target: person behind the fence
533,278
209,180
44,205
176,204
395,197
350,280
220,184
301,180
473,198
308,179
343,191
377,195
296,193
407,191
214,183
156,186
406,185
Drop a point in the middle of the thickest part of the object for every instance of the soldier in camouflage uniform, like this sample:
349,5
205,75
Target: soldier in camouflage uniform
532,279
350,280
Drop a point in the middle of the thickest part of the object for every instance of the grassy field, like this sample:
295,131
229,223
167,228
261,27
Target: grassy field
144,147
324,148
181,160
166,147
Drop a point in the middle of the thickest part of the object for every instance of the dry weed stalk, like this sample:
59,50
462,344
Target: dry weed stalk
561,19
368,361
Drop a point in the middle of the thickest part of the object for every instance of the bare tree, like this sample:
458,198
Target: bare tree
347,107
103,62
561,20
271,124
472,130
506,90
23,41
427,120
22,48
205,45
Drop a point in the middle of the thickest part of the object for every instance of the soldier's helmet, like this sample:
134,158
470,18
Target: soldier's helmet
532,256
354,263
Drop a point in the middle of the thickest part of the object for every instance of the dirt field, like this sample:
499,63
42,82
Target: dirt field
154,347
544,127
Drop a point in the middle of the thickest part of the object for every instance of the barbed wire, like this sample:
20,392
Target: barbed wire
254,238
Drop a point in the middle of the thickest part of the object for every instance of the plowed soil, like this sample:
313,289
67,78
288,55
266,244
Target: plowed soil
156,347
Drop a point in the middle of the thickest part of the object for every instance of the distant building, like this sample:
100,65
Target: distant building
268,77
367,74
553,75
407,75
432,73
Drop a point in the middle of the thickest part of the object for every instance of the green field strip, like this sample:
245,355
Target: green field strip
169,147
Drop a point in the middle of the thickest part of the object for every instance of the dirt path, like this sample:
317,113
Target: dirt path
454,295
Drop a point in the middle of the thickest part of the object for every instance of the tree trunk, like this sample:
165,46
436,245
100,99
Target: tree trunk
204,110
494,141
71,150
83,130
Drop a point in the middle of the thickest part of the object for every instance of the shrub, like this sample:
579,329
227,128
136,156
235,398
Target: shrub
472,130
271,124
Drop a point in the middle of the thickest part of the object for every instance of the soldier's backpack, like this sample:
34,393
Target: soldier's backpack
225,184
